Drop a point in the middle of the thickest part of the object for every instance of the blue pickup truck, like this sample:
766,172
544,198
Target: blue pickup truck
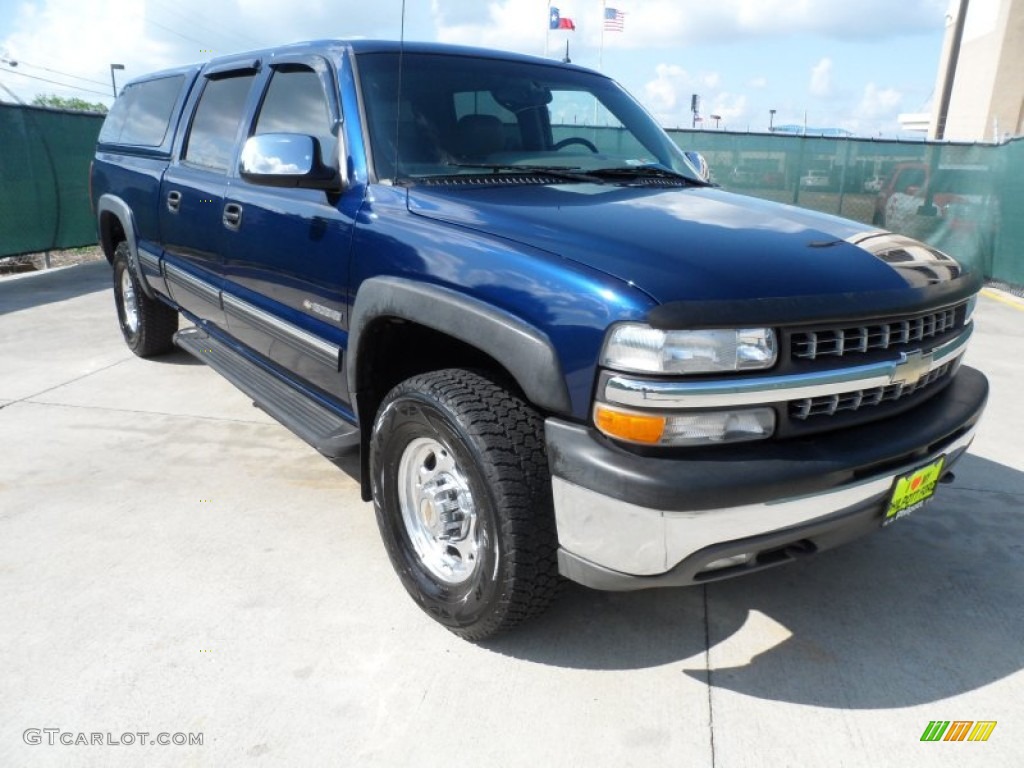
558,350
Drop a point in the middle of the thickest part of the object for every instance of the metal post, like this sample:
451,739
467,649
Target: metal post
950,74
113,82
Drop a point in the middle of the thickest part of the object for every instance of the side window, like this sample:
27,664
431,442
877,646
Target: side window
295,103
211,139
142,115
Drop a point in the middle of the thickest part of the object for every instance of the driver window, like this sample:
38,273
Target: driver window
295,103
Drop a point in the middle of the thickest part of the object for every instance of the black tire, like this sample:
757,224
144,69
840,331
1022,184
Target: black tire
496,442
152,331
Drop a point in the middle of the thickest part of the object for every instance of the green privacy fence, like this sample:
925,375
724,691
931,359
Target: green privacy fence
963,198
44,178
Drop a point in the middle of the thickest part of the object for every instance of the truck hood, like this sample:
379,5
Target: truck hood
694,243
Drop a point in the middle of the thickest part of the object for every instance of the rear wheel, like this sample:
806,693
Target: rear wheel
463,501
147,325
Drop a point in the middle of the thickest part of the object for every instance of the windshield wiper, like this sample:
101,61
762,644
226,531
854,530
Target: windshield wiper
570,173
645,171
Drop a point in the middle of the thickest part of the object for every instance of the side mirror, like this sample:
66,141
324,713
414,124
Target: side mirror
700,165
287,160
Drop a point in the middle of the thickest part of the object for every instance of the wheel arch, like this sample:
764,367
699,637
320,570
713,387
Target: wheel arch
116,223
401,327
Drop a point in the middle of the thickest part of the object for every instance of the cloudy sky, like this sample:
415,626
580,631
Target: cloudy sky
852,64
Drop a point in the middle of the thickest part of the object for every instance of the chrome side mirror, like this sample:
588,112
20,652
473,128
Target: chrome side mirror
287,160
700,165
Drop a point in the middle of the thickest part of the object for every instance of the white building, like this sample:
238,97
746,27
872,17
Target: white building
987,98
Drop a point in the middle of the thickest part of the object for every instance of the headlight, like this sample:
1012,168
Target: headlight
642,349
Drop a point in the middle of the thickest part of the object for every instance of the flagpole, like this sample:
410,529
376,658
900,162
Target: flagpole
600,56
547,34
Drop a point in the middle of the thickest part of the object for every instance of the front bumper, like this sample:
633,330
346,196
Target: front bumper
627,521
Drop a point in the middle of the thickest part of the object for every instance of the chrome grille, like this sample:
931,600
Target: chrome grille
830,405
888,334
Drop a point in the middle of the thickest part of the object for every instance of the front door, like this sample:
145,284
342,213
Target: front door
286,262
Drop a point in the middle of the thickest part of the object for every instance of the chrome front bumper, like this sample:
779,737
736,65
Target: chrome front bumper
636,541
629,522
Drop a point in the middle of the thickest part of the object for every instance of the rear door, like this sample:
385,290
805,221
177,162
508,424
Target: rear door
286,268
193,217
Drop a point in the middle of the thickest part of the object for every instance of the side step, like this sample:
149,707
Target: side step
330,434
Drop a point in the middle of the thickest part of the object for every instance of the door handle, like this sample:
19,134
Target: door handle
232,216
173,201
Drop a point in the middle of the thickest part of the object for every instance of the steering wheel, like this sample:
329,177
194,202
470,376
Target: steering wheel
575,140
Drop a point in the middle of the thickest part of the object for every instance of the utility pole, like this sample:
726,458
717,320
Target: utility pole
771,120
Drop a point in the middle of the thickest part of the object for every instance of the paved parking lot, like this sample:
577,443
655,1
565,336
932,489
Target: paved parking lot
172,560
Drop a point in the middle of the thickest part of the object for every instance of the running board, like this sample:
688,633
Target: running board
326,431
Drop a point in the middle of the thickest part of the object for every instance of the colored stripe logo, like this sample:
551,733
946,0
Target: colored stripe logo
958,730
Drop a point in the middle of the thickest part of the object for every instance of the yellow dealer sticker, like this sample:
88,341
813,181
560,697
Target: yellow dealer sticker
913,490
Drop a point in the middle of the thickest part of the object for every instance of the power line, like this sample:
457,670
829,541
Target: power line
193,22
45,80
175,32
57,72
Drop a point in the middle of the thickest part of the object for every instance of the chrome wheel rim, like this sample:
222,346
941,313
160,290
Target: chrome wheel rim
129,303
438,511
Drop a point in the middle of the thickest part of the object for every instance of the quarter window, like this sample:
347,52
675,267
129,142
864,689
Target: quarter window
142,114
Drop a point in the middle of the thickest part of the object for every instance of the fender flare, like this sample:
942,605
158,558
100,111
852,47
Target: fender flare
119,208
525,352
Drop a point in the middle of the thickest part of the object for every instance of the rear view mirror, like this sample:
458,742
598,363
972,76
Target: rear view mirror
286,160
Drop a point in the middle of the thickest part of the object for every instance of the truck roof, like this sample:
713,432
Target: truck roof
338,47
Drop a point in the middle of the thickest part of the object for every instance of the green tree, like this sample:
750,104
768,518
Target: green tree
62,102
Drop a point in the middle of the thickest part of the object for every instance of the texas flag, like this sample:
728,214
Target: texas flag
560,22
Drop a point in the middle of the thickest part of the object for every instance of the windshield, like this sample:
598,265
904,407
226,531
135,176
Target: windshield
461,115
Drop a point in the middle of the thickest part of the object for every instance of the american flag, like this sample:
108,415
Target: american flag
613,19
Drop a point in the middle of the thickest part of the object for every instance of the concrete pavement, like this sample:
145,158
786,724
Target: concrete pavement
172,560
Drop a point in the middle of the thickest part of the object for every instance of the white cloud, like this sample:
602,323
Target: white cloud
668,97
517,25
664,95
821,78
654,23
730,107
84,38
758,82
880,102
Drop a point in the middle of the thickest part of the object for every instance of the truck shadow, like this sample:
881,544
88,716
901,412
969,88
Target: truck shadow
34,290
922,611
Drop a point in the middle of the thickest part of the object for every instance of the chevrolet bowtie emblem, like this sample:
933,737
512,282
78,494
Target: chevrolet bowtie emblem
911,368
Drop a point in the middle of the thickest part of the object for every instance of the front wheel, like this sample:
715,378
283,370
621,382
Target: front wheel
462,495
